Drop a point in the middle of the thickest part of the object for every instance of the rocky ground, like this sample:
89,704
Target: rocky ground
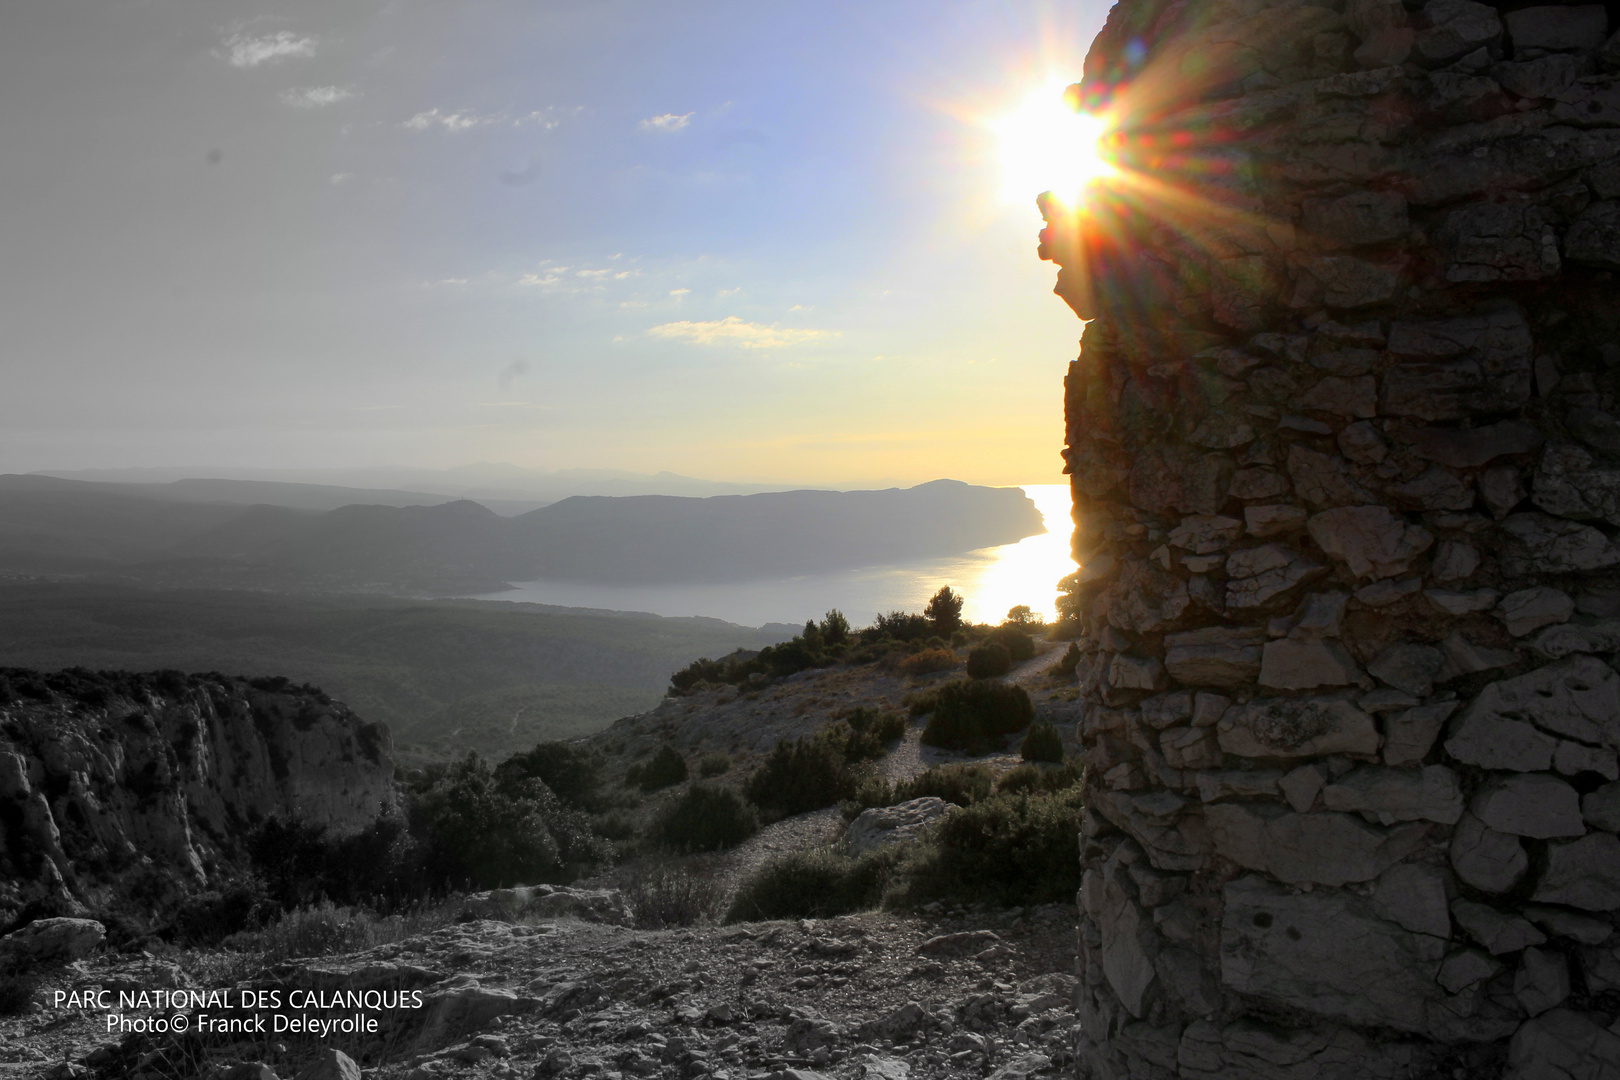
944,993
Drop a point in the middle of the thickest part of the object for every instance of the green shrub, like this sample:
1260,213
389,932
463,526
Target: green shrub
802,774
929,660
714,764
493,835
834,628
572,772
705,818
899,625
988,660
959,783
328,929
205,920
815,883
1069,662
1032,779
1041,743
975,715
1019,645
883,725
871,791
665,894
1007,849
17,992
1021,615
666,768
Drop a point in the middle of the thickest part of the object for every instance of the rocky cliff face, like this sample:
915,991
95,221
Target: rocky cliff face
120,789
1346,470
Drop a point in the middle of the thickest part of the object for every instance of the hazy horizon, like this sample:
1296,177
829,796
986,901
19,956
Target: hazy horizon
744,243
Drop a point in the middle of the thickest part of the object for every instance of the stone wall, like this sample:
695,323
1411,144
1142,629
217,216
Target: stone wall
1345,458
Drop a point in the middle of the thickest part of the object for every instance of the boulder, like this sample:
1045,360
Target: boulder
1561,1043
880,826
1528,610
49,942
1500,932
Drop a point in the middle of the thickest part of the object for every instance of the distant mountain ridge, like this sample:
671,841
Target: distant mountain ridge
55,527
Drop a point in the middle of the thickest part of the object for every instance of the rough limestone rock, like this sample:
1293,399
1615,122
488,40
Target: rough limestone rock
879,826
331,1064
1343,441
549,902
46,942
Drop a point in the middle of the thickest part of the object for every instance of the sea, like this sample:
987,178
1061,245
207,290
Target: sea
991,581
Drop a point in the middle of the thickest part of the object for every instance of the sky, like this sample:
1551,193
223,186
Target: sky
749,241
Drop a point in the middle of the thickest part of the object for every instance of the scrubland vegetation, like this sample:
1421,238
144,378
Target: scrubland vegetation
559,812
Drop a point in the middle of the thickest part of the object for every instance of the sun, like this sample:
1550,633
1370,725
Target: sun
1048,146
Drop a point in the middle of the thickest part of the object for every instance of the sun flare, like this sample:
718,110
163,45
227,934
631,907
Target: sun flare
1048,146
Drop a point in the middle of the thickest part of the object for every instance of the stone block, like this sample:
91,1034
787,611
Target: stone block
1327,954
1542,981
1429,794
1578,698
1561,1043
1414,896
1457,603
1500,932
1372,541
1297,728
1218,656
1572,759
1166,710
1238,783
1601,808
1306,665
1585,636
1324,480
1466,967
1302,785
1408,666
1458,366
1529,804
1202,534
1190,748
1543,77
1263,576
1579,27
1594,238
1528,610
1264,521
1361,443
1547,545
1362,217
1434,489
1319,848
1582,873
1475,447
1344,397
1485,859
1495,241
1410,733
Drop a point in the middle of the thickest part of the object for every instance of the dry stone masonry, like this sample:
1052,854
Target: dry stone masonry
1344,447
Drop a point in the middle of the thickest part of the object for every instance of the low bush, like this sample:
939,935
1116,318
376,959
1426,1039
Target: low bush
973,716
665,769
490,834
801,775
1041,743
1007,849
1031,779
815,883
328,929
959,783
574,773
717,763
1016,640
927,661
1070,660
211,917
988,660
872,732
705,818
17,992
665,894
871,791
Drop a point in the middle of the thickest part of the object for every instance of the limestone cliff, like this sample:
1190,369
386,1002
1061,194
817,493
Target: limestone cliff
1345,455
118,788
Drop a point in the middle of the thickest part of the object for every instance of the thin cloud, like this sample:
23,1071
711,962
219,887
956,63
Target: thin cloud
678,293
316,97
536,280
734,331
510,373
449,121
248,51
667,122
